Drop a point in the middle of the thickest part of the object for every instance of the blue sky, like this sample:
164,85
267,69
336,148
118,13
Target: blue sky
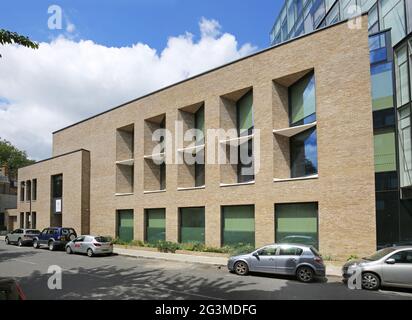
125,22
115,51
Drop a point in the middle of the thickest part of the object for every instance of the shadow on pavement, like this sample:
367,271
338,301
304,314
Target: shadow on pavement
7,255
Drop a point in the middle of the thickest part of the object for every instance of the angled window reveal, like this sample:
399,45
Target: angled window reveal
245,114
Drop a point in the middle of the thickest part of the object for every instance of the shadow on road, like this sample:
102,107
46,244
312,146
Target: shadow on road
7,255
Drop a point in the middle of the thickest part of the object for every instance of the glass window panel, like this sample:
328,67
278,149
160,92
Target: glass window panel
372,16
245,168
329,4
57,186
387,218
125,225
192,225
291,14
409,15
318,12
333,15
304,154
405,146
238,225
245,114
385,153
297,223
402,77
200,125
394,17
367,4
302,100
346,10
155,225
406,222
382,86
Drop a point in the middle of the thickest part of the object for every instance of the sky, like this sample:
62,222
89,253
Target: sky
104,53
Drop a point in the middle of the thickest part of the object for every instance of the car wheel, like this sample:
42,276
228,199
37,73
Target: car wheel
36,244
69,250
7,241
89,252
305,274
370,281
51,246
241,268
19,242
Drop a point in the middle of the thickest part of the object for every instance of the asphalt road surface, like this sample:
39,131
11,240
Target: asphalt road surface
118,277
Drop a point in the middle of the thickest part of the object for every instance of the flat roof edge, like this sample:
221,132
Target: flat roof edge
208,71
55,157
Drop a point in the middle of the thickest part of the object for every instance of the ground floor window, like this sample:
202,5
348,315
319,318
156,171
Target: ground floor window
297,223
238,225
125,225
192,225
155,225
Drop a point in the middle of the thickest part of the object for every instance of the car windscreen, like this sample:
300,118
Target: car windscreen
102,239
32,231
380,254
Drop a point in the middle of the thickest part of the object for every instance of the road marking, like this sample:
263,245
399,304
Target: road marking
24,261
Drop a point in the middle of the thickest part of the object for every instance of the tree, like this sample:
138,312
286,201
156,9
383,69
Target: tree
13,157
13,37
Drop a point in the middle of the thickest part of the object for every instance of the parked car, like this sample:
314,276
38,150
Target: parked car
21,236
54,238
387,267
90,245
10,290
302,261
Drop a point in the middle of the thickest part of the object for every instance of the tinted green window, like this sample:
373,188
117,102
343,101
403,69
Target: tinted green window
192,225
297,223
382,93
303,101
245,114
125,225
385,153
402,77
200,125
405,146
155,225
238,225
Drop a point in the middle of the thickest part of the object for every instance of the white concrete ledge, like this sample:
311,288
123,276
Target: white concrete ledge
128,162
315,176
123,194
237,141
223,185
154,191
192,150
191,188
293,131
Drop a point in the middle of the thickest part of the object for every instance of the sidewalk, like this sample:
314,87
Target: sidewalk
331,269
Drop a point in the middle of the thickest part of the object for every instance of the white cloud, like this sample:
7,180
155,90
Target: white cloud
66,81
70,28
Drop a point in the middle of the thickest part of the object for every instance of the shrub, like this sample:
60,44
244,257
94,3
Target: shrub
241,248
119,242
137,243
352,257
167,246
192,246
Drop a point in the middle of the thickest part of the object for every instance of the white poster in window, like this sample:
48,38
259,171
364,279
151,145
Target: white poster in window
58,205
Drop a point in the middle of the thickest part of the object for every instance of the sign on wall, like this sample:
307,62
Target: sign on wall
58,205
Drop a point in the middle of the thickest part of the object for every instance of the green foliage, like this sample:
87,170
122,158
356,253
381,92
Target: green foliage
192,246
327,257
13,157
167,246
352,257
9,37
240,249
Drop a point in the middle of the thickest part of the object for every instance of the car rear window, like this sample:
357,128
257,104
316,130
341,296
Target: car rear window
32,231
102,239
67,231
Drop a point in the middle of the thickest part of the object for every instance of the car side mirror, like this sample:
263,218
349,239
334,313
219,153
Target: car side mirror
256,255
390,261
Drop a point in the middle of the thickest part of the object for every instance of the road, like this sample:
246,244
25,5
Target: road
118,277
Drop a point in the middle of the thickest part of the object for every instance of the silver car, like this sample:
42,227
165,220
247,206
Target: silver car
90,245
302,261
21,236
387,267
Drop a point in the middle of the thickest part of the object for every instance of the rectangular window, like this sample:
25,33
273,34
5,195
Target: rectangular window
22,190
57,186
382,83
405,146
385,153
238,223
34,220
155,225
402,76
199,174
125,225
304,154
200,126
245,114
21,219
28,190
34,190
393,16
192,225
297,223
302,101
245,168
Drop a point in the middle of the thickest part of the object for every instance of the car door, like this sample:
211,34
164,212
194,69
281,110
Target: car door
287,259
399,273
45,236
14,235
264,261
78,245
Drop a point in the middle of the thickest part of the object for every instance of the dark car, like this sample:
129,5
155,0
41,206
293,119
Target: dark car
21,236
10,290
54,238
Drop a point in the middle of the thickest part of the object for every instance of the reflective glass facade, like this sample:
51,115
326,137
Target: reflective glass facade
238,225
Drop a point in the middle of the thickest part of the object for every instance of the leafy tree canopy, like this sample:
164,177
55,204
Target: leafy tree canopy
13,157
13,37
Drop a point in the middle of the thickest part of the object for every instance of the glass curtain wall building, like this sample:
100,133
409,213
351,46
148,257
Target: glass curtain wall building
390,42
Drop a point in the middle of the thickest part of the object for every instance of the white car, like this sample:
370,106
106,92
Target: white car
90,245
